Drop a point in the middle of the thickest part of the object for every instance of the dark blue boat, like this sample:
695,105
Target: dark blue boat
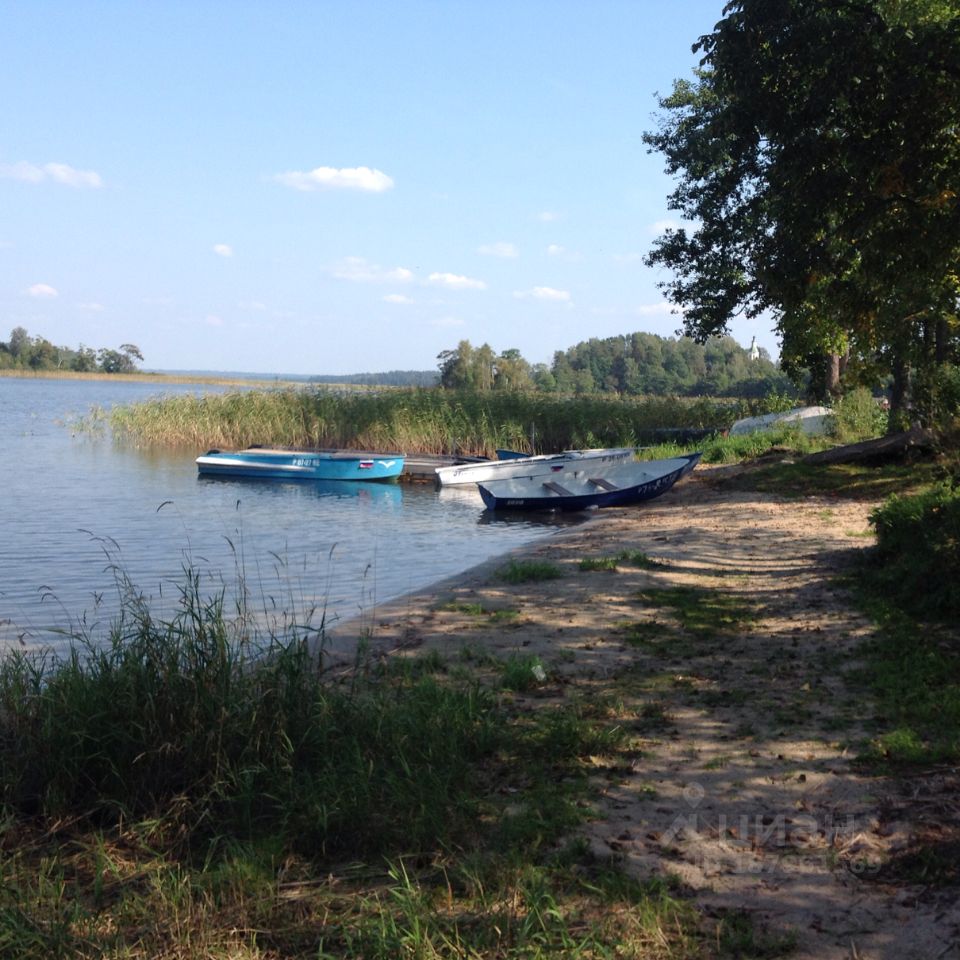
617,485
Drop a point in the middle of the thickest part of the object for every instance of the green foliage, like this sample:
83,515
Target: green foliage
909,584
37,353
858,415
633,365
917,557
817,157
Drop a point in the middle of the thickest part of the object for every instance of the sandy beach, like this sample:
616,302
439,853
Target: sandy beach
740,778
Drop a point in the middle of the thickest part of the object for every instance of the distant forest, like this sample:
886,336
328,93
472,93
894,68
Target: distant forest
24,352
639,363
636,364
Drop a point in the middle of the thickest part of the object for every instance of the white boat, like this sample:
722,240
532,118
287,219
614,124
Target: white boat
464,473
813,421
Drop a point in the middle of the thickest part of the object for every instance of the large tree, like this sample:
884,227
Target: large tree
818,162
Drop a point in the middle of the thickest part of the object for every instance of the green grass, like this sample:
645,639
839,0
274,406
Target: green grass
185,789
484,613
529,571
631,558
842,481
703,613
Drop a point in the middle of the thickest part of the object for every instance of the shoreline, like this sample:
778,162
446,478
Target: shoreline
726,658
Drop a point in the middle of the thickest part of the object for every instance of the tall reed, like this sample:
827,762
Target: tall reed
192,725
415,420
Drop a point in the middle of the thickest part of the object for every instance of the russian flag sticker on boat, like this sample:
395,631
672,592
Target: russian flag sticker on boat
366,464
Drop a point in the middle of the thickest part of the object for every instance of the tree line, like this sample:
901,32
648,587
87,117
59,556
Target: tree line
23,352
635,364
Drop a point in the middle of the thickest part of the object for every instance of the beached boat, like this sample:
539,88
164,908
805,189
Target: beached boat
813,421
279,464
521,466
581,486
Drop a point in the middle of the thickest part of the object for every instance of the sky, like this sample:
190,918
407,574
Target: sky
333,188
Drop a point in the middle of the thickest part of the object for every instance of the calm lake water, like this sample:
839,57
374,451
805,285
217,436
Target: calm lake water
82,515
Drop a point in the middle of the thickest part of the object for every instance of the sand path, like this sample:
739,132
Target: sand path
732,666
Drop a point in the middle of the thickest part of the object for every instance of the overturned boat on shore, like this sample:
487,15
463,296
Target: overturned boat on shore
581,486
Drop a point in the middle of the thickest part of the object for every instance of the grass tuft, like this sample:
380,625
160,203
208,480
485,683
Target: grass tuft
529,571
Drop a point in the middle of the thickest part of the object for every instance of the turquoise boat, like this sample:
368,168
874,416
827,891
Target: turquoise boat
279,464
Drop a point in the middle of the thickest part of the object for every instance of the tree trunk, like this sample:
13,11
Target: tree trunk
942,341
899,392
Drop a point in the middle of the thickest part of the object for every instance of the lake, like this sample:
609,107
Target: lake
86,519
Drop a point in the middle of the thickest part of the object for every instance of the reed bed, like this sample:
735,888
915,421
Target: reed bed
415,421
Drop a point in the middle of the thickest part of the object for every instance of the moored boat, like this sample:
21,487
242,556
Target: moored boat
580,486
520,466
280,464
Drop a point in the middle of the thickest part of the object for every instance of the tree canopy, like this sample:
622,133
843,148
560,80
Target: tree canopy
38,353
635,364
818,165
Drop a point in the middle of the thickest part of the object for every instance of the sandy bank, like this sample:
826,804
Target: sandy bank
739,780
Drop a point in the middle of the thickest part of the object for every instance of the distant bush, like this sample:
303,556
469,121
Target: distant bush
918,551
857,416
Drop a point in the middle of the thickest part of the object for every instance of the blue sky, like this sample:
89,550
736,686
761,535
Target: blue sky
293,187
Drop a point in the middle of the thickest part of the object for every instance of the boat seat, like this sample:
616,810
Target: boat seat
556,488
603,484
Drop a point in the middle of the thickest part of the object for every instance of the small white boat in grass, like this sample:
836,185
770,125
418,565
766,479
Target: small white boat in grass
813,421
464,473
580,487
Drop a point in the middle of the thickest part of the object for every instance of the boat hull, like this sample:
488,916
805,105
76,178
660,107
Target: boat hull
582,489
520,466
276,464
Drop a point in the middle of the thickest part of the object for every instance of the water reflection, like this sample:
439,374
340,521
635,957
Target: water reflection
387,493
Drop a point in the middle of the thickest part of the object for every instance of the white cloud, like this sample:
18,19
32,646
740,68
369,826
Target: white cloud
544,293
42,291
55,172
360,270
331,178
396,298
500,249
212,320
570,256
222,249
453,281
92,307
549,216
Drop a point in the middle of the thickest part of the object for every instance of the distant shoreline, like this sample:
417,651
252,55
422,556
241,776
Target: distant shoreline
158,377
